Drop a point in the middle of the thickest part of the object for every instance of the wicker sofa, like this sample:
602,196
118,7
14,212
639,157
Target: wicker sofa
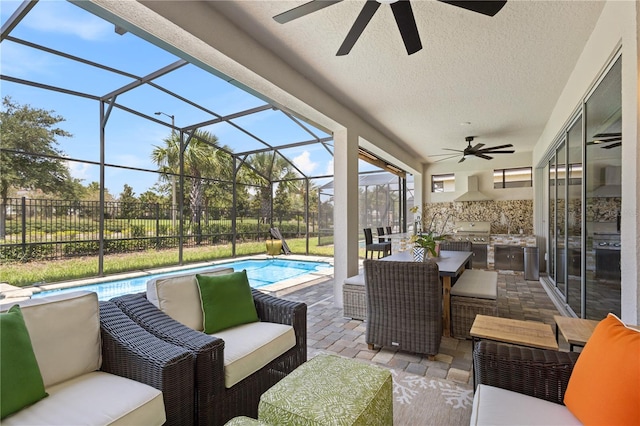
99,367
404,305
218,396
516,384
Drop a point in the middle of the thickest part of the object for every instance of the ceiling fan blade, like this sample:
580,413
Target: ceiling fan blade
605,140
445,159
407,25
613,145
302,10
497,147
442,155
511,151
451,149
607,135
368,10
486,157
477,147
462,159
489,8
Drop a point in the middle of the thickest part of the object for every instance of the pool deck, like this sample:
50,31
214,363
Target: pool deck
328,331
11,294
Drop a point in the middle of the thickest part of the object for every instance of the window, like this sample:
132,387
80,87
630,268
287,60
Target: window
512,178
443,183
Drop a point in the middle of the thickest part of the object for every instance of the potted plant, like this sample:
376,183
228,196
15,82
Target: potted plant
426,243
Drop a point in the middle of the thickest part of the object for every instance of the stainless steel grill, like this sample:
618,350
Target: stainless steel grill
476,232
606,241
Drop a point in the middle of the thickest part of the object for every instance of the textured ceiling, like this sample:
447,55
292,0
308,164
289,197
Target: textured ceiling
502,74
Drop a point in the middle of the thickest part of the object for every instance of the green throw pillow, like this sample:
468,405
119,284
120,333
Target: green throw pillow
20,379
226,301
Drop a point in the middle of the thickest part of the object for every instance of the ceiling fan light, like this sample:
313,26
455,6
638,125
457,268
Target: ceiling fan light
386,1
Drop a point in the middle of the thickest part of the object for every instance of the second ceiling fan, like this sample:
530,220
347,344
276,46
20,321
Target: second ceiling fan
478,150
402,12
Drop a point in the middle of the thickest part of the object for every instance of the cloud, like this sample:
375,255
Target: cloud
18,61
48,16
304,163
329,170
79,170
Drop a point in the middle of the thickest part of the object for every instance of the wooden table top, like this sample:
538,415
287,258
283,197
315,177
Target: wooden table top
526,333
577,331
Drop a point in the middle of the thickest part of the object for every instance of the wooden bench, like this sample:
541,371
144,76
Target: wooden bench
475,292
354,299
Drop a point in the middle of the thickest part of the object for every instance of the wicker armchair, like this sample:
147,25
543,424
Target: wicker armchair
214,403
404,305
538,373
129,351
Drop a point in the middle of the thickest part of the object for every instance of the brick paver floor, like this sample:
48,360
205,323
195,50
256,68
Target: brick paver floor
329,332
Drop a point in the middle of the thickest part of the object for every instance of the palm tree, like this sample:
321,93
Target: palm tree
270,167
201,159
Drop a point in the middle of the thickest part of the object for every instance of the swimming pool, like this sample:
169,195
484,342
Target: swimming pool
259,272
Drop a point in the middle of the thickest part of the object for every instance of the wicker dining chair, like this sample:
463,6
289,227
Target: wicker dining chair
456,246
404,305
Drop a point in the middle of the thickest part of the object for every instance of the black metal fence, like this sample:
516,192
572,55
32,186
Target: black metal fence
53,229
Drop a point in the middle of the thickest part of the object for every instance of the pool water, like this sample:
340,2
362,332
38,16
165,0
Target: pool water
259,272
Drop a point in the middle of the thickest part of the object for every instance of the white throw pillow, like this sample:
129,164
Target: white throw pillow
178,296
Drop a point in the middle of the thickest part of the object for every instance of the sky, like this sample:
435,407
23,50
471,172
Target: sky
129,139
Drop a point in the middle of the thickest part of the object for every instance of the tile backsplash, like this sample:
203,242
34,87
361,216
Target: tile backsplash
508,216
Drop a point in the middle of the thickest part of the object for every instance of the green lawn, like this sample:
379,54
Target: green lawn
24,274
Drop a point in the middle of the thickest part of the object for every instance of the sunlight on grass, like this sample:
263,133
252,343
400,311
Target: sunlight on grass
24,274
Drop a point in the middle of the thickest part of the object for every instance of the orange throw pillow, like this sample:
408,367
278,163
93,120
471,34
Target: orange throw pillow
604,387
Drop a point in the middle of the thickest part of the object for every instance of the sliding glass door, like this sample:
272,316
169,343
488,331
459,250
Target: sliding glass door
584,201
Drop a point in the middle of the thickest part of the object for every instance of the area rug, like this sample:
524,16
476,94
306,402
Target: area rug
419,400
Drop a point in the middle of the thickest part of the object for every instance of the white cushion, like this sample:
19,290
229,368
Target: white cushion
249,347
96,398
355,280
477,283
179,297
65,334
495,406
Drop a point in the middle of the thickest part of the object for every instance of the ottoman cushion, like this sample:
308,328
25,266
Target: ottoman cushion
330,390
477,283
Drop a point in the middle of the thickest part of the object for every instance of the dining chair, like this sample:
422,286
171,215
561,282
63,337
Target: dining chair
370,246
404,306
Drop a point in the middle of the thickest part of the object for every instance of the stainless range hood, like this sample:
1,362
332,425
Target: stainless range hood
472,194
612,176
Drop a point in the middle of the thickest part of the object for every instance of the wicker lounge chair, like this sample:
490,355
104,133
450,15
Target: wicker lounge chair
540,373
404,305
215,404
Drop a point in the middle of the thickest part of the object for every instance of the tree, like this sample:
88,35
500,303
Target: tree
201,158
267,168
128,203
29,151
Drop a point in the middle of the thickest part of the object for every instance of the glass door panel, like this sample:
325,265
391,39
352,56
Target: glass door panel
574,217
561,251
603,124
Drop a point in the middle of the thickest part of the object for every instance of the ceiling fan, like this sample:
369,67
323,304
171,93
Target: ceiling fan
401,11
477,150
613,139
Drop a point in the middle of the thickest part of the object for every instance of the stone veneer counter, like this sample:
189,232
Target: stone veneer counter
522,240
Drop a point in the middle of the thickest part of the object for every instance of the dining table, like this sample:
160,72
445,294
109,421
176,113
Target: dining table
451,264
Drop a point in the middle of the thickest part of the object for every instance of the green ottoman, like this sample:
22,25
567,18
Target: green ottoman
330,390
244,421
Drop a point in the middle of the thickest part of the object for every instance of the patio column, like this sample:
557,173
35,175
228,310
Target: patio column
345,211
